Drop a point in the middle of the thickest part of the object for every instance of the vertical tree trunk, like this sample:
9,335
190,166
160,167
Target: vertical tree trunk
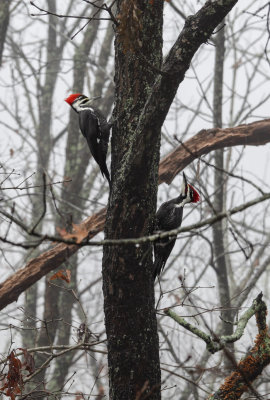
127,270
4,21
56,303
218,228
43,141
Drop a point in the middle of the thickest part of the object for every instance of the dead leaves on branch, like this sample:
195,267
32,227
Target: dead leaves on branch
13,380
64,275
29,363
78,234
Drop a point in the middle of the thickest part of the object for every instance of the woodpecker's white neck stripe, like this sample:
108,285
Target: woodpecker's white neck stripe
77,107
82,104
186,200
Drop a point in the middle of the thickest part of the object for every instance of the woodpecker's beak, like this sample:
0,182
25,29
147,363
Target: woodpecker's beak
95,98
90,100
184,187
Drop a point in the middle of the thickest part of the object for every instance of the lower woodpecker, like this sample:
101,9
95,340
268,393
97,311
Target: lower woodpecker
168,217
94,128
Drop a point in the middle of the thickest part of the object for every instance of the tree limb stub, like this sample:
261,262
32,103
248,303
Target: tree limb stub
257,133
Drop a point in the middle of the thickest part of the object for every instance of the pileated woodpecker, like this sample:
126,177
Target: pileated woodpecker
94,128
168,217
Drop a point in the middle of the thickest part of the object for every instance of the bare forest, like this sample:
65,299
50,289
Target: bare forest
185,88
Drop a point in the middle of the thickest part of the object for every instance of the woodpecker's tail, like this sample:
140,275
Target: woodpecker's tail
105,172
158,266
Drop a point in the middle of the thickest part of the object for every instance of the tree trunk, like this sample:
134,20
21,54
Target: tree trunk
4,21
133,352
219,177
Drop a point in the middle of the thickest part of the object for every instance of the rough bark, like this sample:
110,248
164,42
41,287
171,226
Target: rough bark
130,318
257,133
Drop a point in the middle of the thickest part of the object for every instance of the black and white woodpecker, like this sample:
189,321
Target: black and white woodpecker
94,128
168,217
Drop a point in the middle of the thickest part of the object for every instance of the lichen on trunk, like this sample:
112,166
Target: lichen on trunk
127,270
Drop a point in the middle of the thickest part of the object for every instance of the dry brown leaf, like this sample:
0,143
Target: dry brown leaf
13,382
64,275
29,363
78,234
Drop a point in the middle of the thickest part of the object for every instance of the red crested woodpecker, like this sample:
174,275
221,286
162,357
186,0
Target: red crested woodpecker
94,128
168,217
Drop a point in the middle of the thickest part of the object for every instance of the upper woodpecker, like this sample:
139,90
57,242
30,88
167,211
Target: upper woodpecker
168,217
94,128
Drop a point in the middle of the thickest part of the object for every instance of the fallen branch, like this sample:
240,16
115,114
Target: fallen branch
207,140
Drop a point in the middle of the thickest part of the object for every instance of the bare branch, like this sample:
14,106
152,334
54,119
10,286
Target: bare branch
218,343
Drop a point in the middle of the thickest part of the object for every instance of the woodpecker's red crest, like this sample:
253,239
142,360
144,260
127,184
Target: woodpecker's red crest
70,99
189,194
194,194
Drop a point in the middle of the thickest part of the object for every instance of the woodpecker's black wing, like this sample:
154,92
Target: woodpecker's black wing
97,133
168,217
162,250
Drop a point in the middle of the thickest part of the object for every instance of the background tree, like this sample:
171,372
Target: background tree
4,20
